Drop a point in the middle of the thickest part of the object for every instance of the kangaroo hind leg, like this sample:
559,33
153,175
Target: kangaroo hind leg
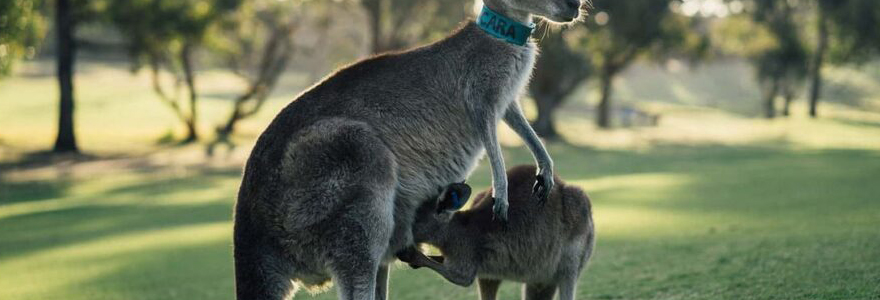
341,180
533,291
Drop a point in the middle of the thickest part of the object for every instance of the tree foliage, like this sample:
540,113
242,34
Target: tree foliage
560,69
781,69
21,29
846,33
767,33
164,35
855,26
621,31
397,24
256,43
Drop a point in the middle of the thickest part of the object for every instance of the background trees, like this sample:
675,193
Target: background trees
397,24
782,67
560,69
846,31
21,25
621,31
165,35
787,41
69,14
256,43
65,27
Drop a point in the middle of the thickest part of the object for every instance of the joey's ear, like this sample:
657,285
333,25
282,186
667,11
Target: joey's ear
453,197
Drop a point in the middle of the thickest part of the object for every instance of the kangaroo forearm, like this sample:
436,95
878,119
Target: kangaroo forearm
517,121
462,277
496,161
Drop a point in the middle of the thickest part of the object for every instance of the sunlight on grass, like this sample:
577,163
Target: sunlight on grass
122,190
117,110
654,182
51,271
700,126
136,242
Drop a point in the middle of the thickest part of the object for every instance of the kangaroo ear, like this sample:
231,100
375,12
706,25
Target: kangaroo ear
453,197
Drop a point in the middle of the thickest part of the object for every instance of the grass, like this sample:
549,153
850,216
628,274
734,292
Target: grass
707,222
709,205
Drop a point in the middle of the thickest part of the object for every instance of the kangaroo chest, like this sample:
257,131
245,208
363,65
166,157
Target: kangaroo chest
451,149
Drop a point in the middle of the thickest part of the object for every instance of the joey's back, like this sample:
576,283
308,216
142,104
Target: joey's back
538,241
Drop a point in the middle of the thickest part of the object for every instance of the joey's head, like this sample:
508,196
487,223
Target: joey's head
432,216
560,11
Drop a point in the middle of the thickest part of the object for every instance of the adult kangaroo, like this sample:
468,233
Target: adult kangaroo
332,185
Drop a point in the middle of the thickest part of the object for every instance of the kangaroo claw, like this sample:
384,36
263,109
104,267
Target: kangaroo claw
499,208
541,189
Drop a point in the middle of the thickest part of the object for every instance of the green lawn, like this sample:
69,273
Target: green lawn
702,222
709,205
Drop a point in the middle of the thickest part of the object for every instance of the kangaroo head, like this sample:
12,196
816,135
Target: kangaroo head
453,198
433,215
563,11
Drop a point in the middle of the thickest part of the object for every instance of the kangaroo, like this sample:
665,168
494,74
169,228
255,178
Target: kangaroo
544,245
331,187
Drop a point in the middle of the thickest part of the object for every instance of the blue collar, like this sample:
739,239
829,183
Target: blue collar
504,28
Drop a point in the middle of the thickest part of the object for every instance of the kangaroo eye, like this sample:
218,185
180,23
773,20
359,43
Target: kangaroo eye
456,201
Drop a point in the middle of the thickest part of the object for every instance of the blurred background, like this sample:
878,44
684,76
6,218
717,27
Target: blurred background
730,147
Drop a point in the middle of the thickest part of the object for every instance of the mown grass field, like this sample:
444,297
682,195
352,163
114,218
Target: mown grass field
709,205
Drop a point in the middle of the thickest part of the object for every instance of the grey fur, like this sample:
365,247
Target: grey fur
332,185
544,245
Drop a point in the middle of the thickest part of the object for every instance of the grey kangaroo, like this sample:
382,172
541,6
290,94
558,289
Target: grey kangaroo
543,245
331,187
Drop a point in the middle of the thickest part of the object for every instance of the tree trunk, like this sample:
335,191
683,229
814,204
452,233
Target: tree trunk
770,91
788,95
65,26
544,125
603,119
818,61
374,12
189,77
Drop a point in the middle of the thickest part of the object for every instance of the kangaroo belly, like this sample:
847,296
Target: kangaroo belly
420,178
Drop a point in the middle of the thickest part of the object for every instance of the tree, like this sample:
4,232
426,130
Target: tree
65,26
21,28
856,36
397,24
558,72
782,68
818,60
621,31
256,43
852,25
69,14
165,35
768,35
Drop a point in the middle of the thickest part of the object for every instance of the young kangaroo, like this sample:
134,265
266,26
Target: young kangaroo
543,245
332,185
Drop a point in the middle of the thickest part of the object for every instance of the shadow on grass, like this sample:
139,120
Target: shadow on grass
19,192
141,206
21,235
827,193
45,158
